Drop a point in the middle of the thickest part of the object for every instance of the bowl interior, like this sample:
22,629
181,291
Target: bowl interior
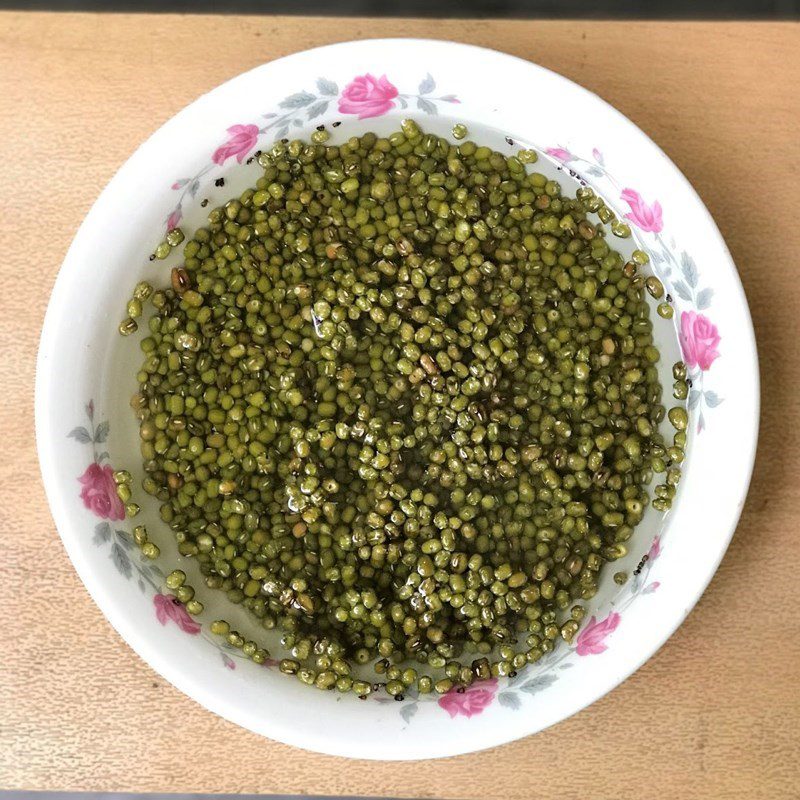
123,357
87,376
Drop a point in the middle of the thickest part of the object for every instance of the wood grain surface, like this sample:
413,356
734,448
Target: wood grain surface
715,714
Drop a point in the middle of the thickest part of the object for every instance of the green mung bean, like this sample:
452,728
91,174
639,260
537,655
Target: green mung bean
400,403
665,310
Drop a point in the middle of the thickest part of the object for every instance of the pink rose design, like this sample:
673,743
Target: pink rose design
597,155
560,153
174,218
655,549
170,608
242,141
99,492
471,701
367,96
590,639
651,587
648,218
699,340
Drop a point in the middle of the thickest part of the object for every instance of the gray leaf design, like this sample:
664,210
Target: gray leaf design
567,666
298,100
408,711
152,568
124,538
269,116
689,269
80,434
102,533
101,432
102,455
180,183
140,584
297,123
509,700
318,109
656,257
427,85
402,101
682,290
121,560
194,187
426,106
537,684
327,87
281,132
712,399
551,658
704,298
597,173
650,588
694,398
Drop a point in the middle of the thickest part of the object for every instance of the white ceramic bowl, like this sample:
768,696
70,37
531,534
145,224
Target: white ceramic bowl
86,376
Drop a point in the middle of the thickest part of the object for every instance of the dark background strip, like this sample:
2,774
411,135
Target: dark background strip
585,9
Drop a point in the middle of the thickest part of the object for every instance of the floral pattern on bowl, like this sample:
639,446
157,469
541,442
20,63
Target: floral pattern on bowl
469,701
363,97
99,495
170,608
698,335
511,692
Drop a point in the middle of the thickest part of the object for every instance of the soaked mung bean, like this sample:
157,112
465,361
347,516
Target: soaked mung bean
401,403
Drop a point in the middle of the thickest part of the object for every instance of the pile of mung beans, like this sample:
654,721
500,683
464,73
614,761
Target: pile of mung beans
401,403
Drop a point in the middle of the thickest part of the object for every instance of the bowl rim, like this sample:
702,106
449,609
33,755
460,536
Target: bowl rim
197,688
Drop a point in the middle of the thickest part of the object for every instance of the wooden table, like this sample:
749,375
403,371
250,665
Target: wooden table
715,714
